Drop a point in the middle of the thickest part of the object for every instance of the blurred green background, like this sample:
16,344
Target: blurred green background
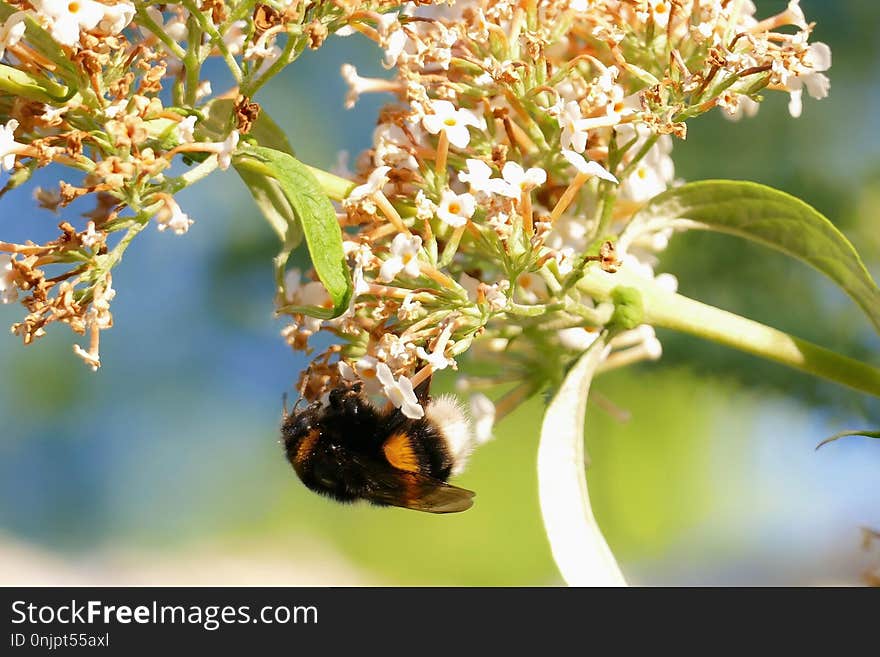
164,467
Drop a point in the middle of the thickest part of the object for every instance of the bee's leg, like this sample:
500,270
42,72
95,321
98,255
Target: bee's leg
284,404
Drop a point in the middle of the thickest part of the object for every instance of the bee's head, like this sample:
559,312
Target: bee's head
299,432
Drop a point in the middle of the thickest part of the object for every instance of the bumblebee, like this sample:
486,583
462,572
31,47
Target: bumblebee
348,449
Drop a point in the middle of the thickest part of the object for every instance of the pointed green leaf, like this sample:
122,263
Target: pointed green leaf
770,217
312,213
579,549
844,434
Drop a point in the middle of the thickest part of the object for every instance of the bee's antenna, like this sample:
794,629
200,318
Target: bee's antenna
284,403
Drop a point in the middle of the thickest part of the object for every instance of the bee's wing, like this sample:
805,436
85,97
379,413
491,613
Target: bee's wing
411,490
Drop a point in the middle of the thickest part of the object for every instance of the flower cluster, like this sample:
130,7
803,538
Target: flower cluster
110,94
523,138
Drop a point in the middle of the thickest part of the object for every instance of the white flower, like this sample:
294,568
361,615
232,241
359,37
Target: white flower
52,115
425,207
586,167
818,58
453,121
114,109
654,172
400,392
92,236
365,367
9,148
185,130
396,45
576,338
358,85
479,177
292,281
404,257
314,294
795,15
203,90
171,216
11,31
377,180
392,38
224,155
309,294
565,260
796,103
519,181
267,52
390,148
495,295
456,209
235,37
304,294
66,18
116,18
574,134
8,292
410,308
660,12
395,351
437,358
363,259
345,371
483,414
667,282
531,288
644,183
745,106
364,371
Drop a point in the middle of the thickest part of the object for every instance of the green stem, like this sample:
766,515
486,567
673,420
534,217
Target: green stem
144,20
683,314
216,38
292,49
192,61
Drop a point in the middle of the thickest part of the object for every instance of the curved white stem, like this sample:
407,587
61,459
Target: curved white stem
581,553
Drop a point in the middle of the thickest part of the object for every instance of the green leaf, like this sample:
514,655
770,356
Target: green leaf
286,189
274,205
770,217
265,189
844,434
577,544
268,133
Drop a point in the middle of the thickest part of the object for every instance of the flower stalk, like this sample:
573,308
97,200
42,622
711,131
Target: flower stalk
680,313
